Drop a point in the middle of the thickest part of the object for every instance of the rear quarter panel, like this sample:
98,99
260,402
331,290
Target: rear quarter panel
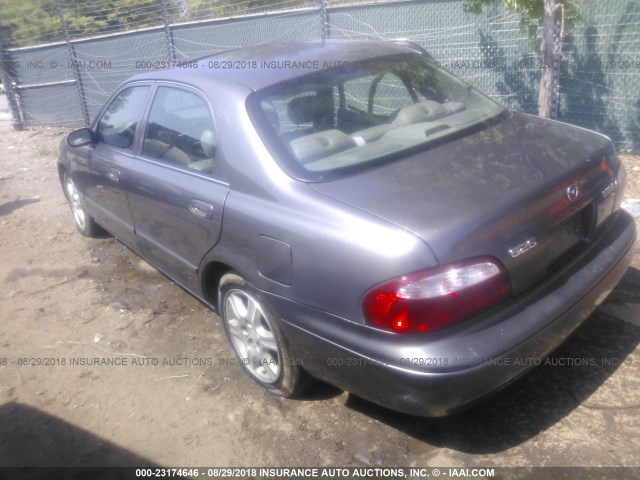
338,252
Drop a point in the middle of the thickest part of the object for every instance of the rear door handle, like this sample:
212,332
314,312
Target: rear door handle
201,209
113,174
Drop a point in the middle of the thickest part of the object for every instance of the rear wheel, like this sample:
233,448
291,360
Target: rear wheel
84,222
257,339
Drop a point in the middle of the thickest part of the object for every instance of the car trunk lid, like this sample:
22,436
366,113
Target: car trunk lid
527,191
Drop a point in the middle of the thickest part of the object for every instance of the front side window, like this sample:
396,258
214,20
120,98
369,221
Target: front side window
180,131
117,126
342,120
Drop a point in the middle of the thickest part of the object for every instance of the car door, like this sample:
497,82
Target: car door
103,183
175,194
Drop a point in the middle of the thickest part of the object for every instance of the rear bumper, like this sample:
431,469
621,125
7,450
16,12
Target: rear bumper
438,374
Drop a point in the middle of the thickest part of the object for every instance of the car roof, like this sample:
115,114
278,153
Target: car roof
263,65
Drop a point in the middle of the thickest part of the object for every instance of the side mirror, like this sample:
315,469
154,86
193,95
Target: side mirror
80,137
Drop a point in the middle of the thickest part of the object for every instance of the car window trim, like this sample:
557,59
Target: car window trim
183,170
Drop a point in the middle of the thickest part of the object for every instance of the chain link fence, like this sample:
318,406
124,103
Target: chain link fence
67,80
63,74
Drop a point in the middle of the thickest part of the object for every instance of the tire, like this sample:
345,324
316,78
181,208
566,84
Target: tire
85,223
257,339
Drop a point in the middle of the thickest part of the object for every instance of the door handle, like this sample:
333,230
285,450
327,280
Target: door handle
201,209
113,174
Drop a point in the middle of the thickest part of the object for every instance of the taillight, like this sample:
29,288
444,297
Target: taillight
621,181
434,299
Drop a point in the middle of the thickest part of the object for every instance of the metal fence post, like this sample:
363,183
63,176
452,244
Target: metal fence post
557,59
7,80
324,20
167,31
76,69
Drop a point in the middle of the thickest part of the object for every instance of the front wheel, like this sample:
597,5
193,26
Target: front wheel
84,222
257,339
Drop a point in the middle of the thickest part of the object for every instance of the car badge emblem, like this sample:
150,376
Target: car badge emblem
609,189
523,247
573,192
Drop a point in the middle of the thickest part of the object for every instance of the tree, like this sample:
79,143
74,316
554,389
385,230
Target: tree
23,22
532,13
29,22
206,9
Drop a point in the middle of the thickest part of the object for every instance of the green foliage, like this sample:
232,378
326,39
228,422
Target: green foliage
28,22
529,11
203,9
21,20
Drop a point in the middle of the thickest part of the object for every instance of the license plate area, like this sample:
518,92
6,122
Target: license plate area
572,234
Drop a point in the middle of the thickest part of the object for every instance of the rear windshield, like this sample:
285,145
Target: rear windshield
342,120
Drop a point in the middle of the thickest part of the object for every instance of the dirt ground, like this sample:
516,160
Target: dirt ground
70,305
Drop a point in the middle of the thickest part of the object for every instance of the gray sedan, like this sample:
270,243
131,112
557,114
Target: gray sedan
357,214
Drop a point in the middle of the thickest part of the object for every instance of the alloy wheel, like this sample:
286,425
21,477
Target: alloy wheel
252,336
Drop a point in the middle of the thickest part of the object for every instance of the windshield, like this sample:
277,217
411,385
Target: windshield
341,120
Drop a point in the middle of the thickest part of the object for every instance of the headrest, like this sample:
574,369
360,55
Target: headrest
425,111
308,109
208,143
272,115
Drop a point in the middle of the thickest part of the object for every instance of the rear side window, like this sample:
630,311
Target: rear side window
180,131
119,122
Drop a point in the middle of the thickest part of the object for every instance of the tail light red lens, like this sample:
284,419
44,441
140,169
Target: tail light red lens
621,181
434,299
